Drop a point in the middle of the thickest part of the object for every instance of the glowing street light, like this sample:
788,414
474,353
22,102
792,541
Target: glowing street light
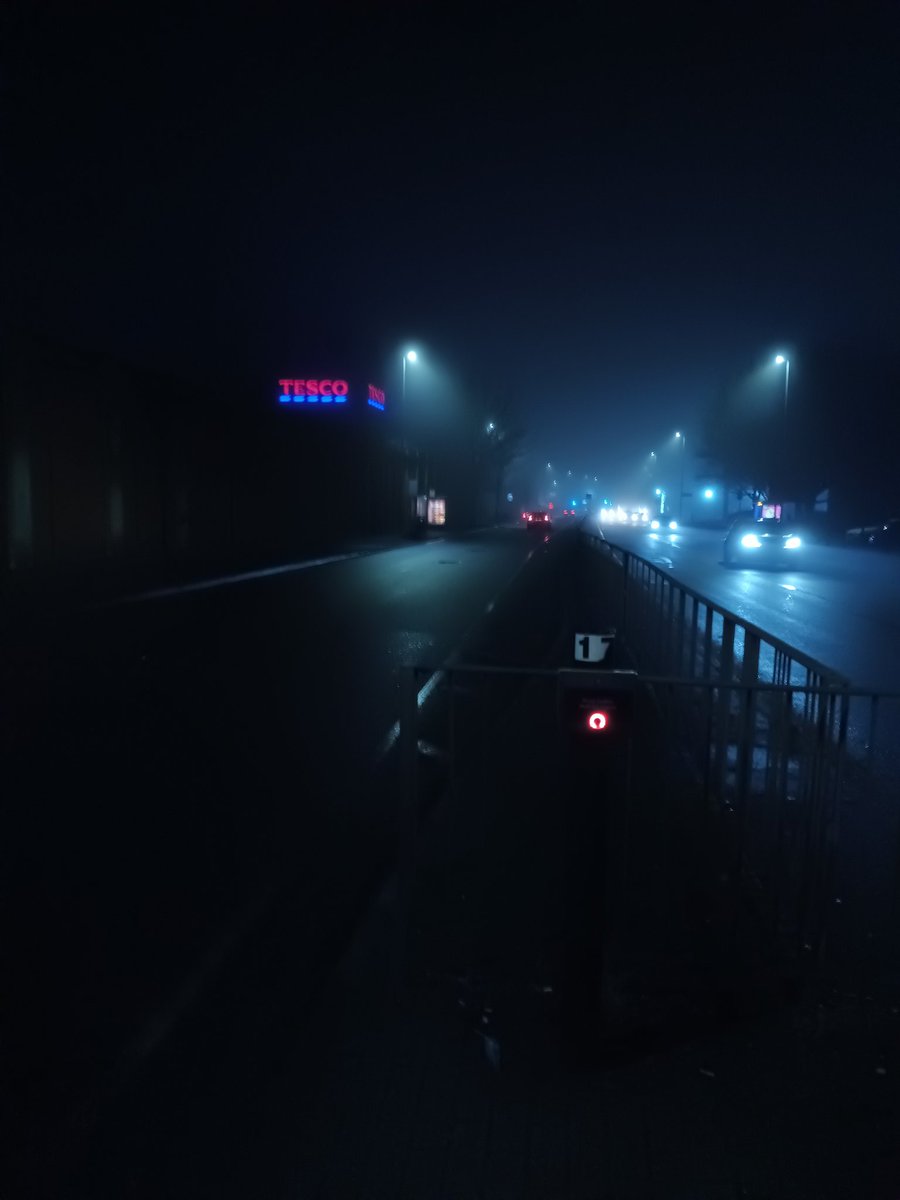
683,439
780,361
409,356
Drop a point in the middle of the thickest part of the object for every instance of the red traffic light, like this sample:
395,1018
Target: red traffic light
598,720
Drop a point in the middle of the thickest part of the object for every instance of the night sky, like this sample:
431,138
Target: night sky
600,221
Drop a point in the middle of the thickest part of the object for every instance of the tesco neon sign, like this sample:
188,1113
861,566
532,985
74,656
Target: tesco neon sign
376,397
313,391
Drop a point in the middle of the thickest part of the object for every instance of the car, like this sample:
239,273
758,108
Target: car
885,536
538,521
761,537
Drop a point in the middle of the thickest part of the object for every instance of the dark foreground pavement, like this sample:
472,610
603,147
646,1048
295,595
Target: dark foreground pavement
489,1076
540,1040
544,1038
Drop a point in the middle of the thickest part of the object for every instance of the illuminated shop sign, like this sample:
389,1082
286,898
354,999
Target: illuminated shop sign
376,397
313,391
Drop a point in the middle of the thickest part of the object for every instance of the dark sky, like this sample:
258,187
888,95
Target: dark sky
601,220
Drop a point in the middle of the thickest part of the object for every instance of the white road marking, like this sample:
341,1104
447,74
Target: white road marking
204,585
425,693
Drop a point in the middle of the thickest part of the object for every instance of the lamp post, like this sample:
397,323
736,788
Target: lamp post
683,440
409,356
779,360
783,360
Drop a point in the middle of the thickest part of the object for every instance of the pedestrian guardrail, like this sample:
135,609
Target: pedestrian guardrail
801,846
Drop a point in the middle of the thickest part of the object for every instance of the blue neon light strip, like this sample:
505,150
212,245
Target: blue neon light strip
285,399
375,404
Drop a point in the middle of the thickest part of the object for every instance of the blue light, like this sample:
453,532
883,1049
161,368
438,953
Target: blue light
286,399
375,404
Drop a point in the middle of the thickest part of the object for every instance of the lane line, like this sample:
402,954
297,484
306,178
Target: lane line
436,678
205,585
425,693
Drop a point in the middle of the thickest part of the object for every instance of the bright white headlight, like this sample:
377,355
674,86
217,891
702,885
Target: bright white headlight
750,541
792,543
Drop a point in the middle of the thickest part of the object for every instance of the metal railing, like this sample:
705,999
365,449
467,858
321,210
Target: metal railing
801,851
672,629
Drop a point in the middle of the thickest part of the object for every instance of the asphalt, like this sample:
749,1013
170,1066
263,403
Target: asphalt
189,771
506,1025
489,1075
841,605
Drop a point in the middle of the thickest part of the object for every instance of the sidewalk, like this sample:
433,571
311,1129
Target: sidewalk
691,1085
43,593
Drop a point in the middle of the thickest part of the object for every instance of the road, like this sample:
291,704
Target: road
205,802
185,765
840,605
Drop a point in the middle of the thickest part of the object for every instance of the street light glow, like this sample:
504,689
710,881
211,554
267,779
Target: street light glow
708,493
411,356
779,359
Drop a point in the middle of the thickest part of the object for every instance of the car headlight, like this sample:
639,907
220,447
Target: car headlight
654,524
750,541
792,543
673,524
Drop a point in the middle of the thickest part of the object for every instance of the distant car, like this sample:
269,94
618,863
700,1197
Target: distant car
538,521
886,536
761,537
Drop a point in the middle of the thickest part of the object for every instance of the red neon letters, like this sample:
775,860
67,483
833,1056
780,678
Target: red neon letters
326,388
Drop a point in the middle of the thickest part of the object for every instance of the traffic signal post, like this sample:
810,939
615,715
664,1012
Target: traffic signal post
596,714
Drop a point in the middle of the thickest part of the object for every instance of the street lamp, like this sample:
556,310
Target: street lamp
490,426
683,438
409,356
780,360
